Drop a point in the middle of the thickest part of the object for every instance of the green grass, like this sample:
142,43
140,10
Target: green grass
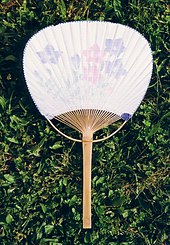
41,172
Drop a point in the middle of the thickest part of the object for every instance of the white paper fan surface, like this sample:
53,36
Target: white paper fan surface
87,65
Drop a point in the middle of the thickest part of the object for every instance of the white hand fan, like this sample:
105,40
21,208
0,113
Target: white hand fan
87,74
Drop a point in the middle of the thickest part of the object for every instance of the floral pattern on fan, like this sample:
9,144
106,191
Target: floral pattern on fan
93,54
115,68
76,61
114,46
126,116
49,55
91,61
96,63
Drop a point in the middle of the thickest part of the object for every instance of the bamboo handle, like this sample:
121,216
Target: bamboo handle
87,158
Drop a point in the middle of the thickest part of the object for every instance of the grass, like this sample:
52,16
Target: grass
41,172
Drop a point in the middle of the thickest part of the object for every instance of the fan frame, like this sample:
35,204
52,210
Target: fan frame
79,140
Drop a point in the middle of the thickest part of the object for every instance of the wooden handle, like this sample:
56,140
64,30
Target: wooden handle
87,158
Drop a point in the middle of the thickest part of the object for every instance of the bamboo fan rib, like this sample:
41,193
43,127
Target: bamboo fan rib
93,120
87,75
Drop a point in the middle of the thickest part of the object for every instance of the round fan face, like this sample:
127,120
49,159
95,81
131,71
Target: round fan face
87,65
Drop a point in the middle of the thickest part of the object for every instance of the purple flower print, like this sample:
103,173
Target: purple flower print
126,116
37,75
49,55
75,61
115,68
94,54
114,46
108,66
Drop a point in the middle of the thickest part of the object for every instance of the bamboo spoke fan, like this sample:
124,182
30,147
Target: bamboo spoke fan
87,75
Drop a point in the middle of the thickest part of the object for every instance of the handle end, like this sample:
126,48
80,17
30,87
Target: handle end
87,223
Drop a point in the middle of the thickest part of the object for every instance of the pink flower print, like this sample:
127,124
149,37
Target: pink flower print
92,58
94,54
91,73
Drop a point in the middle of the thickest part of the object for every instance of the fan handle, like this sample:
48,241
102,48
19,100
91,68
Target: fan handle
87,141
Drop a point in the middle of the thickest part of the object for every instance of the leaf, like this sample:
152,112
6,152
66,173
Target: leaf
110,193
100,181
13,140
165,116
41,166
9,178
36,149
73,200
162,65
87,237
2,102
5,1
65,182
154,129
10,58
63,9
2,232
44,208
157,126
48,228
56,146
18,120
52,241
2,29
9,219
125,213
119,201
100,210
